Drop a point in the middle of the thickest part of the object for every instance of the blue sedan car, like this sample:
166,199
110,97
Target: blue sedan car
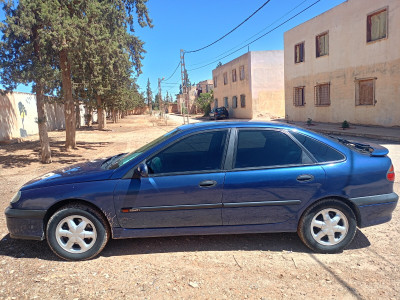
212,178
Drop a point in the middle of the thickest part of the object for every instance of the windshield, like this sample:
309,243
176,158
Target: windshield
122,160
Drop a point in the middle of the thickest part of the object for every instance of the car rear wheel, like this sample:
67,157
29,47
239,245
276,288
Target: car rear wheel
328,226
77,232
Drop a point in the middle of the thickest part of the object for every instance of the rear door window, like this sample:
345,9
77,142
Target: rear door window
265,148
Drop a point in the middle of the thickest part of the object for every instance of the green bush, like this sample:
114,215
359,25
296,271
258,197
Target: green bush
207,110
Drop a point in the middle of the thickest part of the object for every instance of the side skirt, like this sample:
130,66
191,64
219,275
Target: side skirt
123,233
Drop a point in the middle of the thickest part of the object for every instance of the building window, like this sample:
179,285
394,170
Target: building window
234,102
241,71
242,101
365,91
299,53
322,44
298,96
377,25
234,75
322,94
225,78
215,81
226,102
215,103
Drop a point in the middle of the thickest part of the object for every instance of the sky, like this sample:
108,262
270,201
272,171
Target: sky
190,25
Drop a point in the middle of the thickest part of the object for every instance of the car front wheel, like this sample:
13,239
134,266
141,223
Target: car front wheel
77,232
328,226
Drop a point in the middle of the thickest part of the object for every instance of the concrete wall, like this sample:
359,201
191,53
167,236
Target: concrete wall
234,88
267,83
18,116
350,58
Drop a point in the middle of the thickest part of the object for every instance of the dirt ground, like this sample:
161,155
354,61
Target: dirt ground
252,266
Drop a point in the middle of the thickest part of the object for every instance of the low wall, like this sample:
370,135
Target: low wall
18,115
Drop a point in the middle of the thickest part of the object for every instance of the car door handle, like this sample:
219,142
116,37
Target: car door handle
305,178
208,183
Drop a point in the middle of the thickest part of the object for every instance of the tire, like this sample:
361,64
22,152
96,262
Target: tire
327,226
70,242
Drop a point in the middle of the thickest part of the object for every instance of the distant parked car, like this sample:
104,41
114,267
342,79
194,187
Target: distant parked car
219,113
212,178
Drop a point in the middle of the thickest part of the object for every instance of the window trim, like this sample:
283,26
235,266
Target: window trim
234,76
234,106
283,131
357,91
303,96
375,12
240,74
225,76
295,56
244,96
315,94
317,55
226,102
223,159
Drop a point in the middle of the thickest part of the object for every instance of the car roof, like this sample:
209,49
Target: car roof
231,124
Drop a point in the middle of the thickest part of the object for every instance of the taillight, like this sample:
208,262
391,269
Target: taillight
390,174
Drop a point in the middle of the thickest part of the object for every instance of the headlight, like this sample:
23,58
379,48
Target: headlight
16,197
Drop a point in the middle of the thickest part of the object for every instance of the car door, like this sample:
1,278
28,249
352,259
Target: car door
184,186
270,180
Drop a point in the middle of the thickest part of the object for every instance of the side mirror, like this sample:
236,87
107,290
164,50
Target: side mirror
142,170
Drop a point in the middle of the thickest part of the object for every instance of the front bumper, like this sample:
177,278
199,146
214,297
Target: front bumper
25,224
377,209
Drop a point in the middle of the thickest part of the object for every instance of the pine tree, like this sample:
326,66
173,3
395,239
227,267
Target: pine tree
26,57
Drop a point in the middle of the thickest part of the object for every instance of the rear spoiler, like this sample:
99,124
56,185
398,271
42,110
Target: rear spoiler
371,148
377,150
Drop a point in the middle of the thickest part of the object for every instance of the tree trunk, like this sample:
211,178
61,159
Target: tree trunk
78,115
89,116
114,115
69,105
101,118
45,150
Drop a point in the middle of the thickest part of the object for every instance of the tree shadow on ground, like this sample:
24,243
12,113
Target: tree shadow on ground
275,242
14,160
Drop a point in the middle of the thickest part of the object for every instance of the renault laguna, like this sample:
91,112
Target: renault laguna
212,178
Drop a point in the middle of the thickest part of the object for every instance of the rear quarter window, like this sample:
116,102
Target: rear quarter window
321,151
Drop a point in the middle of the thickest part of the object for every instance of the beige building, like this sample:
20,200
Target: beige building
251,85
345,65
180,100
205,86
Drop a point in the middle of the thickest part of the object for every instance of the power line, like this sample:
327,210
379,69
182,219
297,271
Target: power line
276,27
192,51
173,72
217,57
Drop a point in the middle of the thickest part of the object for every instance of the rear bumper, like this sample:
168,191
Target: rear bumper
25,224
377,209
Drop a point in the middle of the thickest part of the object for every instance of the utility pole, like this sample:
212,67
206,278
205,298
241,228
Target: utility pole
185,88
160,102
